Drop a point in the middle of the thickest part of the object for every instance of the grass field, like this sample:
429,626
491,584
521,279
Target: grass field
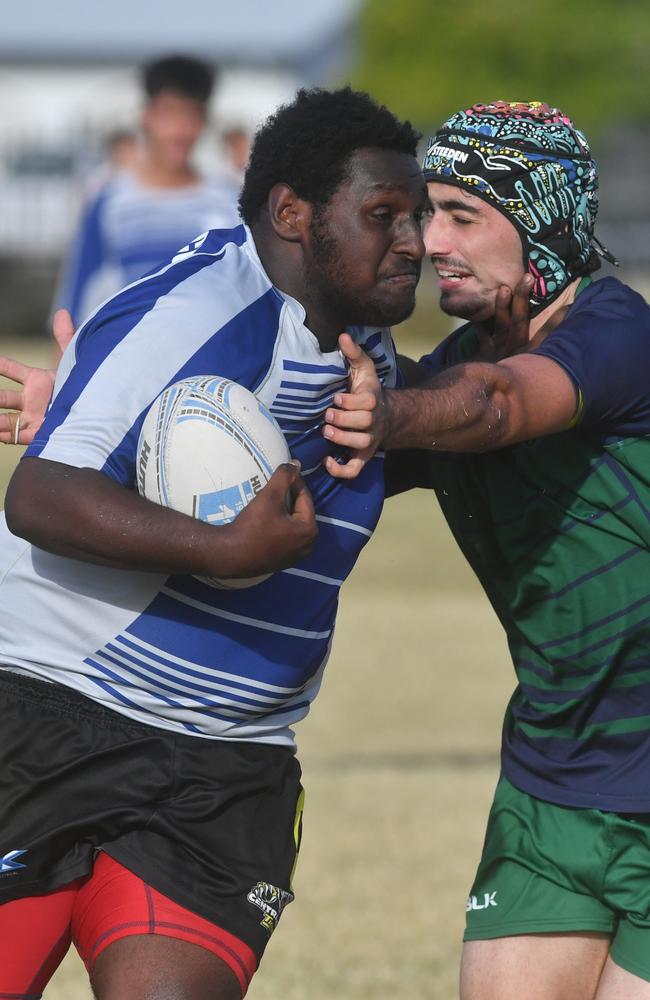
399,758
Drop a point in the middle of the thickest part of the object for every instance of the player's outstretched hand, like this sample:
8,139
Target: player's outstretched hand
278,528
28,404
510,334
356,420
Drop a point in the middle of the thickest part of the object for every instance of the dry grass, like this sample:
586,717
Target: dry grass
399,759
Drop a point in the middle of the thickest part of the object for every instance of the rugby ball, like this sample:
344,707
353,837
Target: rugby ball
206,448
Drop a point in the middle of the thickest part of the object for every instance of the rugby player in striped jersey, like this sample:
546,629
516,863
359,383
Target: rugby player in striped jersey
150,796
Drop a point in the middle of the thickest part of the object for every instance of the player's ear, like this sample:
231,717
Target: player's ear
290,215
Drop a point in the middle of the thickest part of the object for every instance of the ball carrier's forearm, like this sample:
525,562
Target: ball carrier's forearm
470,407
82,514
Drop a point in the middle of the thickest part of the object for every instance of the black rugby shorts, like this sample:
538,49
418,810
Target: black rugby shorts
214,825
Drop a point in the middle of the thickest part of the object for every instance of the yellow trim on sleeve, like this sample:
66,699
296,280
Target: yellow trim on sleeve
577,416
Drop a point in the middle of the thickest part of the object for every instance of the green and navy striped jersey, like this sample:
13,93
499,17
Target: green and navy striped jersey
558,531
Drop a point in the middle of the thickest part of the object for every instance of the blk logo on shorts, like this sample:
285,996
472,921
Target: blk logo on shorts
483,902
8,863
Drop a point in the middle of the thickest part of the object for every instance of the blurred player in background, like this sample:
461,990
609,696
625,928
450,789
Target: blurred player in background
236,141
157,202
122,150
121,153
541,465
150,797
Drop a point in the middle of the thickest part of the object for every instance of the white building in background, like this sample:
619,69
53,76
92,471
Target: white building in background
69,78
56,119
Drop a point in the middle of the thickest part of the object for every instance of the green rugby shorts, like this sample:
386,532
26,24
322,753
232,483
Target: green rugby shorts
548,868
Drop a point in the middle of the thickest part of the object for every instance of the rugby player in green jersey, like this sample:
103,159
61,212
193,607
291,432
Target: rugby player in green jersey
541,464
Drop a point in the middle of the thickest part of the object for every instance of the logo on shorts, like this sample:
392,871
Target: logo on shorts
271,901
486,900
8,863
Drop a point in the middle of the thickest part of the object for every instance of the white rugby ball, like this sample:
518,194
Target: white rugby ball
206,448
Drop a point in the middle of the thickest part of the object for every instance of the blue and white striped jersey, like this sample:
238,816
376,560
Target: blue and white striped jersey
127,229
176,652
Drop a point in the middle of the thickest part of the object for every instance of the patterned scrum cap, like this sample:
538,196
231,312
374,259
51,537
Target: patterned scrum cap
532,163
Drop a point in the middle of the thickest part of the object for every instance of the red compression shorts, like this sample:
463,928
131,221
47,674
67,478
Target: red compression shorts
110,904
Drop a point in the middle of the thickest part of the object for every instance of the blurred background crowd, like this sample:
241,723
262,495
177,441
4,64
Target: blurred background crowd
74,105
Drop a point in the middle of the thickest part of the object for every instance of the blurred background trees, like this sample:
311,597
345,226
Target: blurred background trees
427,59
